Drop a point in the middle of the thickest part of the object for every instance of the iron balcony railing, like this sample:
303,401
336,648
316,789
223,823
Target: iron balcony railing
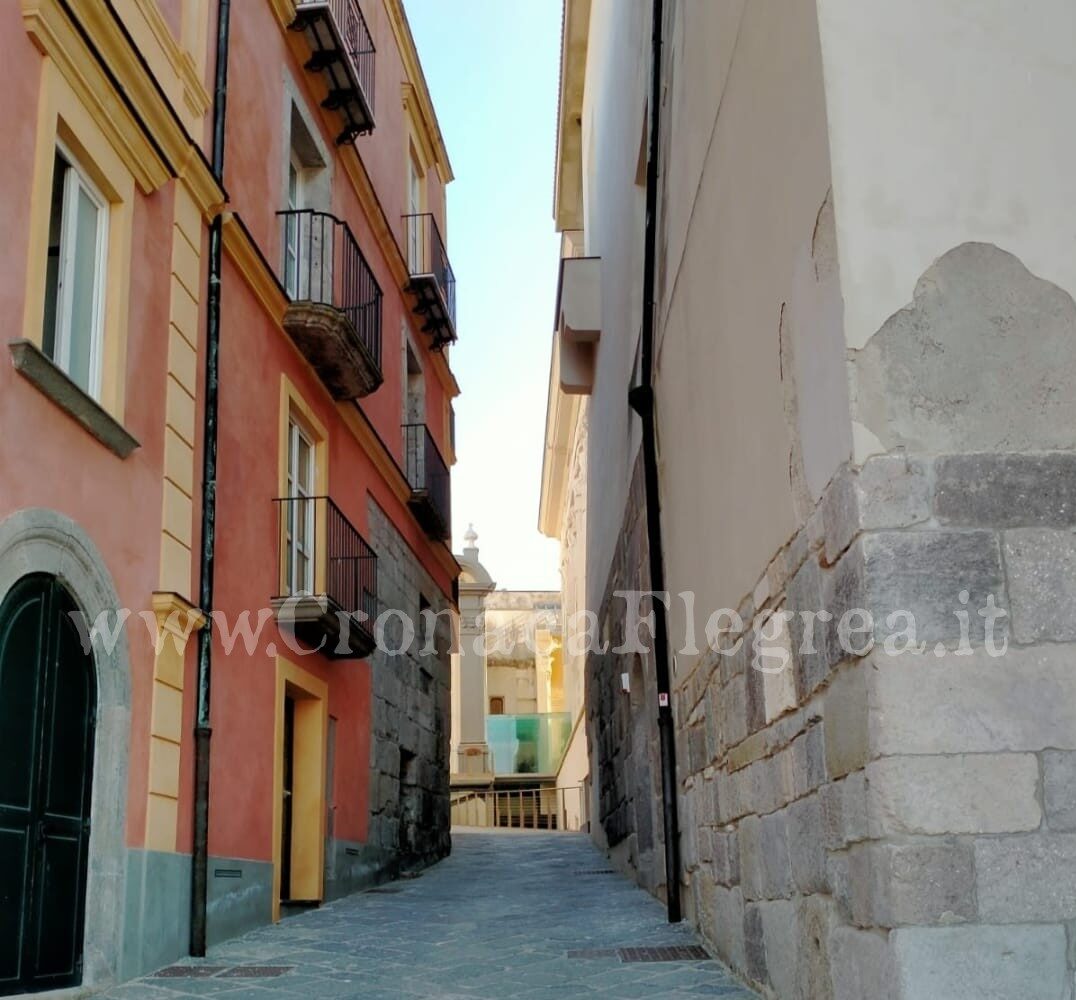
561,808
343,48
428,475
432,277
322,553
322,263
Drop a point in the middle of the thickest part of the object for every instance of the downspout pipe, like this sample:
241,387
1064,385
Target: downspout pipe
202,730
641,400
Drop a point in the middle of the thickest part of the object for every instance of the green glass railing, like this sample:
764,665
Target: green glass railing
528,744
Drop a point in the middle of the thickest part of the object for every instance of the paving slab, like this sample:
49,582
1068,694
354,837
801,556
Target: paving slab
496,920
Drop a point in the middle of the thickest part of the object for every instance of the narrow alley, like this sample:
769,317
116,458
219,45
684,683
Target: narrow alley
527,915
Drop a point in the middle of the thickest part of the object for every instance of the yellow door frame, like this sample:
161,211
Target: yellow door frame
311,696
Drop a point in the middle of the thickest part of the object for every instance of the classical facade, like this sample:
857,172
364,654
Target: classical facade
859,362
228,415
516,704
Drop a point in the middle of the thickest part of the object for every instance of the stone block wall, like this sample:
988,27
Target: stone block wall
411,717
621,735
889,824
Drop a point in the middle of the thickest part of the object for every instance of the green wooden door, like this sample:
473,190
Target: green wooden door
47,711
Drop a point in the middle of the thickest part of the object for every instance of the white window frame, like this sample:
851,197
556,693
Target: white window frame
76,181
414,200
293,230
301,502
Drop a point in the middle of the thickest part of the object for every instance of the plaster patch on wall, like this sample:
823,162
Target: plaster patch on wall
983,359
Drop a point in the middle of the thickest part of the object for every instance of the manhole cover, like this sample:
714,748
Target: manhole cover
188,971
664,953
256,971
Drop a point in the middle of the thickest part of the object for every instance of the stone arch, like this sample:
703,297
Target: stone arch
38,540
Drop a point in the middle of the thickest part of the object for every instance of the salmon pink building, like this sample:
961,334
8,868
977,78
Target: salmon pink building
225,478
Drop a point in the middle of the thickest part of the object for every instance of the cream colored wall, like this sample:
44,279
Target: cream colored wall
748,296
614,110
916,175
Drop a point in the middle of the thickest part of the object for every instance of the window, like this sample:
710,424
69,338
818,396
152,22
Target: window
496,706
415,248
74,313
300,520
291,230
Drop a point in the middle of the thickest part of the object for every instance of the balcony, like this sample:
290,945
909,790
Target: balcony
578,315
327,572
334,314
432,282
430,483
528,744
342,49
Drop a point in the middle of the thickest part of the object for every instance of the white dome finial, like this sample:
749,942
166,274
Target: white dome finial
471,537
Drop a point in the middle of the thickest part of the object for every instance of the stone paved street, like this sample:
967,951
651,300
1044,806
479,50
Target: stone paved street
495,920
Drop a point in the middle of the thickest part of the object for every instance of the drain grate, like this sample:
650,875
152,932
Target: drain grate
664,953
596,871
387,891
188,971
593,953
256,971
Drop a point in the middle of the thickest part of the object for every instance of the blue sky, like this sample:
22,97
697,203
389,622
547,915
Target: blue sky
492,68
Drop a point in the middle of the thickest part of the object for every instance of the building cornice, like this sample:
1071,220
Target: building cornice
568,168
405,43
562,414
94,53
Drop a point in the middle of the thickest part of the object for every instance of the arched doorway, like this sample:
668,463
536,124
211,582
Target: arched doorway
47,713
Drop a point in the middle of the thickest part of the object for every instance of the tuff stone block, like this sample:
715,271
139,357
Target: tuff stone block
780,935
981,963
847,735
862,965
1059,789
1006,490
1027,878
844,810
1024,700
816,919
725,852
806,845
889,491
776,863
978,793
750,840
923,573
754,944
921,883
1042,584
729,926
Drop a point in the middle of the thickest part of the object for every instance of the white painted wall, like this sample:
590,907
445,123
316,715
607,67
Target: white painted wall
977,144
614,113
752,407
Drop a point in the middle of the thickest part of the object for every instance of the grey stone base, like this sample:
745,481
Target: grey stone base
240,897
357,866
158,906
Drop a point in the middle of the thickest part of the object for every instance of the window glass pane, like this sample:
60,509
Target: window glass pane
306,486
83,292
52,263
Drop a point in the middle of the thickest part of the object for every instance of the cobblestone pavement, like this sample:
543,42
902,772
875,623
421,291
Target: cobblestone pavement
495,920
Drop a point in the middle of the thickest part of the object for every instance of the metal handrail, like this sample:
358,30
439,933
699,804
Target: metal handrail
350,564
427,471
426,255
355,34
322,262
550,808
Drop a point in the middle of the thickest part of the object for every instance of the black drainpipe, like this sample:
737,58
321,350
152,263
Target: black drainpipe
641,400
202,731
